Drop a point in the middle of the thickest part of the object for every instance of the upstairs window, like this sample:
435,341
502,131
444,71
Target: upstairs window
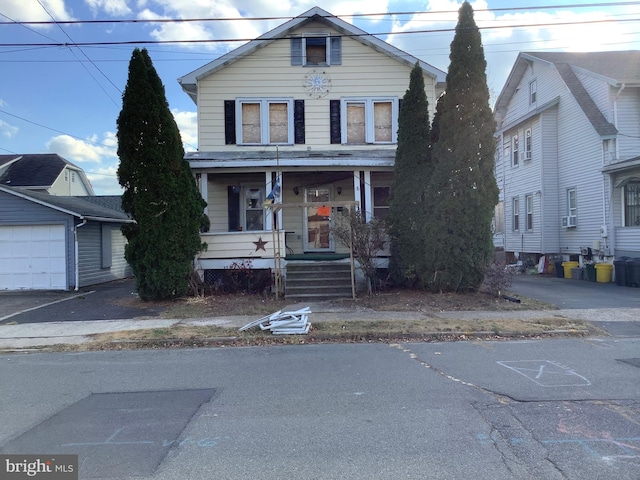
264,121
369,120
572,208
515,150
533,92
632,204
528,144
316,50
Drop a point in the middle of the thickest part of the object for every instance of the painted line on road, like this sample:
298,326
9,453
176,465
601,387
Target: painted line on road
45,305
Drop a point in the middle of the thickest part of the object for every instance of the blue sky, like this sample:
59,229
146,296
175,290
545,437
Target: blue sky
66,100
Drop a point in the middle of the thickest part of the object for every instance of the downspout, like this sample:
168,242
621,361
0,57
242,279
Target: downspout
75,237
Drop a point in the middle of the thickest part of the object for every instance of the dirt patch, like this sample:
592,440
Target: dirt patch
394,300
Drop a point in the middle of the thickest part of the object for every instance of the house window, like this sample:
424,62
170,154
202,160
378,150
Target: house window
528,203
264,121
632,204
527,144
381,196
514,150
316,50
571,202
533,92
516,213
253,208
73,177
369,120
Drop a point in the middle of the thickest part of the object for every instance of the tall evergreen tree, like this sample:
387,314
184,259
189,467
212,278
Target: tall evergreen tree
160,192
463,190
411,171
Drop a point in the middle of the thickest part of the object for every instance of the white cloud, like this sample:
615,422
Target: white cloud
188,126
84,151
7,130
110,7
105,180
22,10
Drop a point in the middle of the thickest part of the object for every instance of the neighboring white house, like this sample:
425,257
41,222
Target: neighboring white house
44,172
568,156
310,107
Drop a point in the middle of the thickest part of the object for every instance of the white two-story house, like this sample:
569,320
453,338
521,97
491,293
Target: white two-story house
309,109
568,156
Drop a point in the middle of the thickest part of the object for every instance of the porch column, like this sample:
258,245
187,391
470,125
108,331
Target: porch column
268,213
204,191
368,203
356,186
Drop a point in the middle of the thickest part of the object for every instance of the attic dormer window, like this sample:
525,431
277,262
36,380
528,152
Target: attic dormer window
315,50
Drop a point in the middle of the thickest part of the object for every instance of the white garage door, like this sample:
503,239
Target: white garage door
33,257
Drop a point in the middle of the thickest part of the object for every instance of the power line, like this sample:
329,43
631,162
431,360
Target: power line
353,15
229,40
86,56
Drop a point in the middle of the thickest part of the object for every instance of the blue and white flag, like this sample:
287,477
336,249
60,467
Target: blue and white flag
275,196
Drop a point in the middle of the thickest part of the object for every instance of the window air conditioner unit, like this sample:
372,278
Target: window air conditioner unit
570,221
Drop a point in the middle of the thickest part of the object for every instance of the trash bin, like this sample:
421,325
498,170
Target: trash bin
567,266
559,271
590,271
576,273
620,272
603,272
633,272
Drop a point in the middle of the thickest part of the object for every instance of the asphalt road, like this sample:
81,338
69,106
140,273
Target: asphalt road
553,409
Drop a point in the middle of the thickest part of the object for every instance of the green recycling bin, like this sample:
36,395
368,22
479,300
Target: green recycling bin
591,272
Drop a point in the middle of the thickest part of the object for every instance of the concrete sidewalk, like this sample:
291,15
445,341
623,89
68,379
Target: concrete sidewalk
36,335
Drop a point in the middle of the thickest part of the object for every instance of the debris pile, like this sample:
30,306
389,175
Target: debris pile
283,323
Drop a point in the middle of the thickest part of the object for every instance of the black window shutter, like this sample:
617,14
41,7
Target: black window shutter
298,121
296,51
399,105
230,122
336,50
334,117
233,208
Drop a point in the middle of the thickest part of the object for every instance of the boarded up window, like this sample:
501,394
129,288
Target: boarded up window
278,123
251,123
356,131
382,121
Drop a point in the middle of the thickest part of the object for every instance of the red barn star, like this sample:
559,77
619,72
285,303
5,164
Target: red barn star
260,244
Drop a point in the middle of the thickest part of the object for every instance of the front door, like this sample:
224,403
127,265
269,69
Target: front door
318,222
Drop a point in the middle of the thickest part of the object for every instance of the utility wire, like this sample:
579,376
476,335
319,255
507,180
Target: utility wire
86,56
353,15
228,40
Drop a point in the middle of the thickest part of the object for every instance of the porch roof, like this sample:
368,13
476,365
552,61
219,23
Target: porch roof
287,158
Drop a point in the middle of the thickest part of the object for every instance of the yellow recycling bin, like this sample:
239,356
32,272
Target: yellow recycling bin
567,266
604,272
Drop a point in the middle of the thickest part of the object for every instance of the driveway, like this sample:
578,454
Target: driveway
108,301
575,294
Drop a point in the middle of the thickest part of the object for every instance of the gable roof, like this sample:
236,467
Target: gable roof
89,207
35,170
316,14
616,68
